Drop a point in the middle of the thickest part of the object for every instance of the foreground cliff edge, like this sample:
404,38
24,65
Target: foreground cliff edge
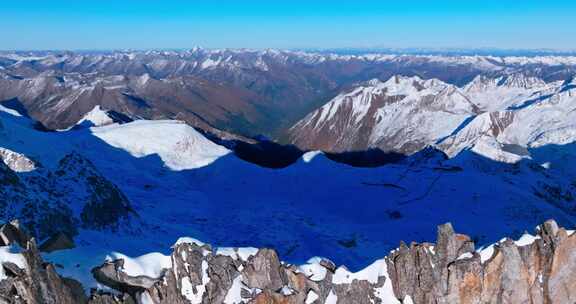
538,268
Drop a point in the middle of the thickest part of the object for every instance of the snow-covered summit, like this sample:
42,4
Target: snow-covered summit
96,118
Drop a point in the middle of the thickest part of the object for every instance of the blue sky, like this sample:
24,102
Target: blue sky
149,24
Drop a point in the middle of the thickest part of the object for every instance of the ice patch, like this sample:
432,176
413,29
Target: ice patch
371,273
407,300
234,295
96,117
332,298
9,111
188,289
466,255
486,253
311,297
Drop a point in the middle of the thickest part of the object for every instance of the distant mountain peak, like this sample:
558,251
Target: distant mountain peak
98,117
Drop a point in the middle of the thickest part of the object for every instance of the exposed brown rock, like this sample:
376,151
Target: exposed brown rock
539,270
451,271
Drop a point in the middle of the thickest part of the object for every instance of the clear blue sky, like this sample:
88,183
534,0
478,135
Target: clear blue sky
144,24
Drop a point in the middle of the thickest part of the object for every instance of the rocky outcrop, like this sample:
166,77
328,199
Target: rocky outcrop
538,268
26,278
16,161
533,269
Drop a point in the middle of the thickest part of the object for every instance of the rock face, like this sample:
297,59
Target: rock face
533,269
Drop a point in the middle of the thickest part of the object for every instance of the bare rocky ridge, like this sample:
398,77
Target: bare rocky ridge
533,269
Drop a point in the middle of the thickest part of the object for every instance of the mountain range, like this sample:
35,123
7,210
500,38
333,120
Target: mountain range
112,155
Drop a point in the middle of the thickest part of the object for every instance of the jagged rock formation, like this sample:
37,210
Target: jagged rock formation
25,278
533,269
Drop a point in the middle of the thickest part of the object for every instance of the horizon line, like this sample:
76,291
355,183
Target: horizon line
480,51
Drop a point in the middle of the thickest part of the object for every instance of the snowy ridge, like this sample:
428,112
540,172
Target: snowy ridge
177,144
543,116
500,118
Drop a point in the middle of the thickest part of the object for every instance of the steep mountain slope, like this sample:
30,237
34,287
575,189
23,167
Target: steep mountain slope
61,101
403,114
74,196
493,94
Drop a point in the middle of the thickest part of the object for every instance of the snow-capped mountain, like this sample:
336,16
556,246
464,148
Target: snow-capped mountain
500,118
249,92
178,145
99,117
543,118
403,114
494,93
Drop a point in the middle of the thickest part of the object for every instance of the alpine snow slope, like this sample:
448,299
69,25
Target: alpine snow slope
170,181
